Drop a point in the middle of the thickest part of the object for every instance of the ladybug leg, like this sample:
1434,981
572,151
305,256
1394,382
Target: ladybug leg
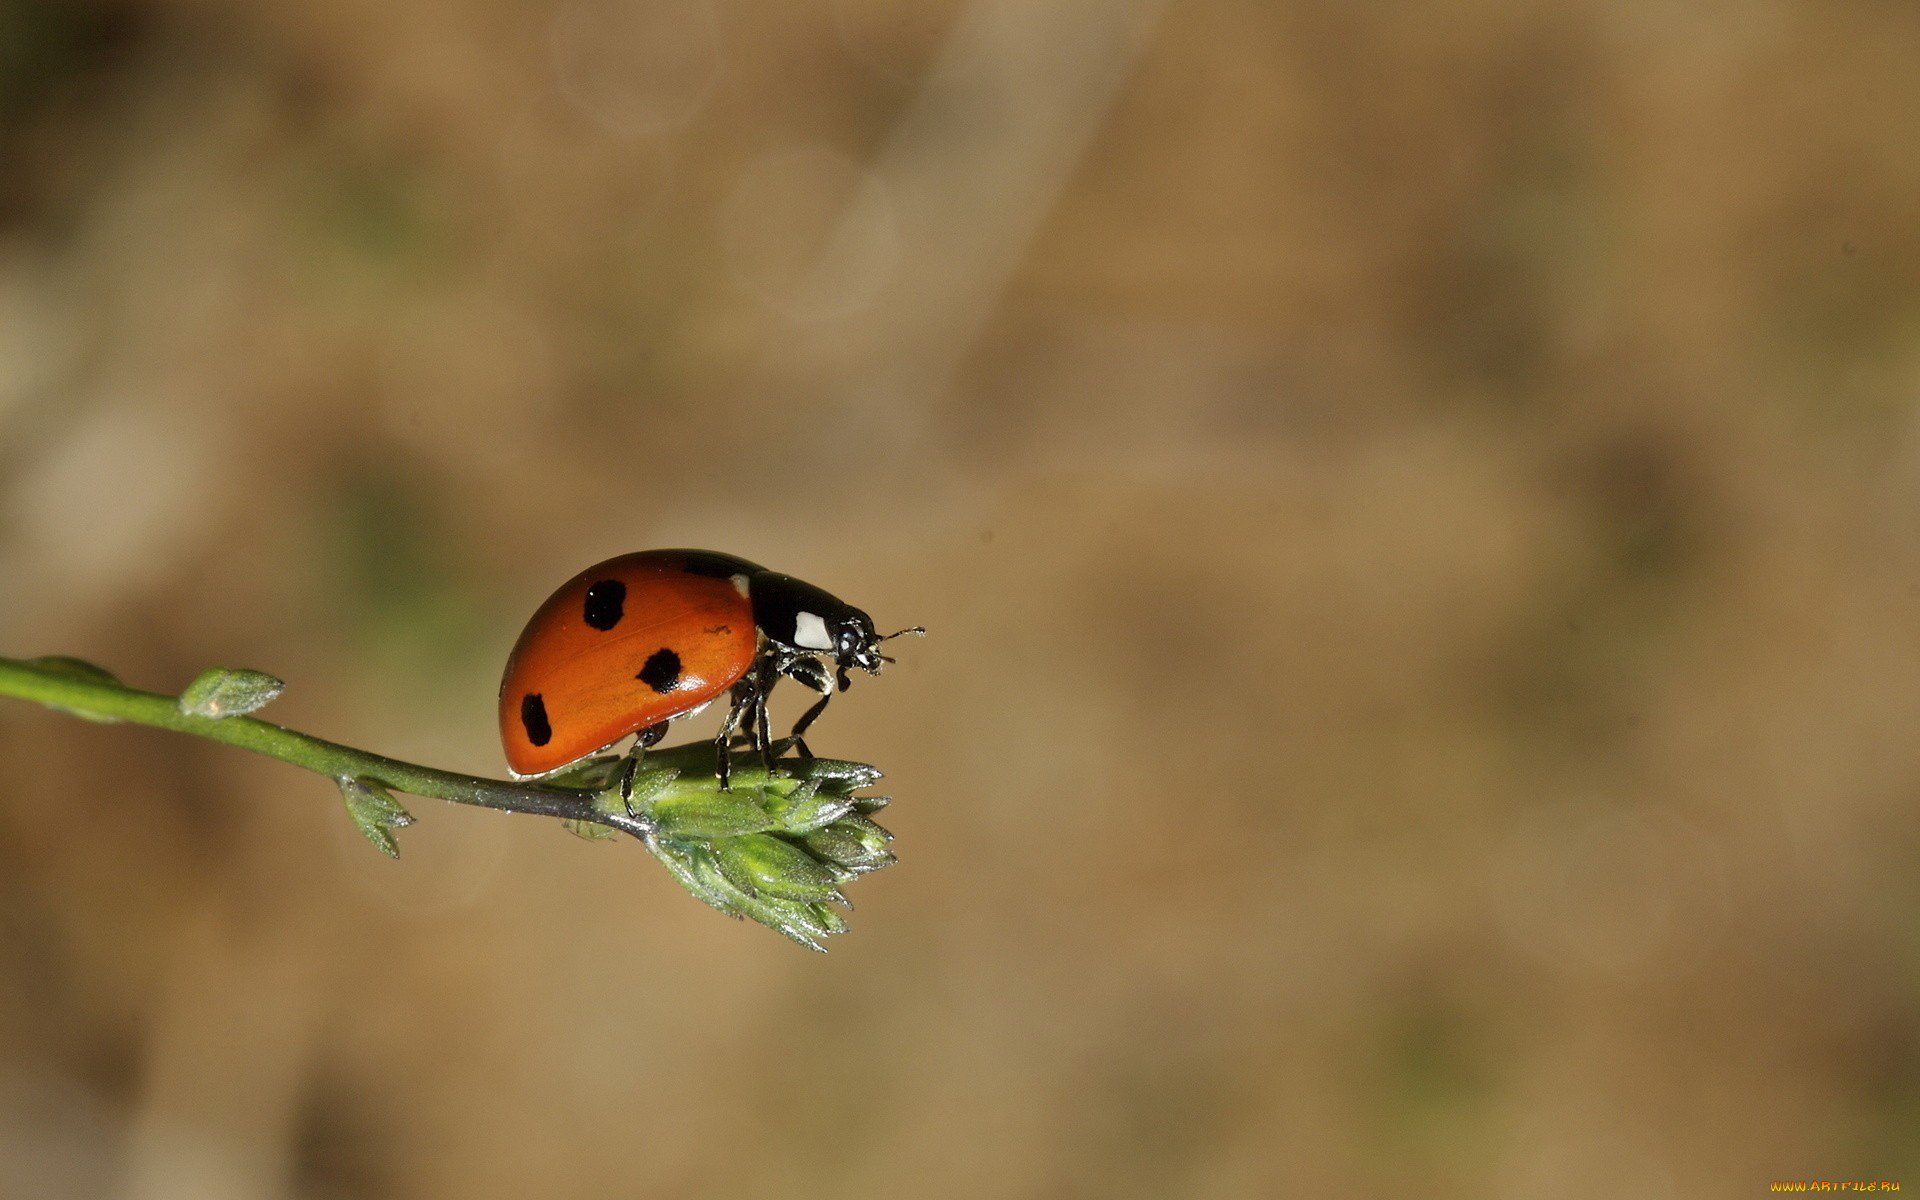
763,736
813,673
747,710
798,736
751,694
648,738
739,712
739,722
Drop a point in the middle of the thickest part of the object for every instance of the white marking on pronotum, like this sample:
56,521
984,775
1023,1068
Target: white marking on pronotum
740,584
810,633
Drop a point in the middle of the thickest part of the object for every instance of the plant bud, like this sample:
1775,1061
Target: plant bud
229,692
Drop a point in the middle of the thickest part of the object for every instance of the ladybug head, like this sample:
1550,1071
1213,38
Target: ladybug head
799,616
857,645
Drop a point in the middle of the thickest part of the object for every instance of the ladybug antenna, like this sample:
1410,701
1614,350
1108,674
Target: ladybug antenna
871,659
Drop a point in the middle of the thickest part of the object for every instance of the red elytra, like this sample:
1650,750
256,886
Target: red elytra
624,645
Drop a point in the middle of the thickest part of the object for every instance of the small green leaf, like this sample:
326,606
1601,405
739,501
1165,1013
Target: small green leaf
731,870
790,920
854,843
804,922
229,692
850,776
709,815
642,789
375,813
799,920
694,871
786,792
78,669
719,888
830,921
590,774
775,867
808,809
72,668
649,782
592,831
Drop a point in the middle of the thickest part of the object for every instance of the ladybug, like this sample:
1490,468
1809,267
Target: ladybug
637,641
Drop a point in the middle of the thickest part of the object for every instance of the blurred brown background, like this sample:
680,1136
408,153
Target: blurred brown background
1418,509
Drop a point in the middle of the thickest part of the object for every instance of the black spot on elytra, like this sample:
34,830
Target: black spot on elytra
606,603
533,716
661,671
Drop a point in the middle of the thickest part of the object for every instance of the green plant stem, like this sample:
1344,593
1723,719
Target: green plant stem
100,700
